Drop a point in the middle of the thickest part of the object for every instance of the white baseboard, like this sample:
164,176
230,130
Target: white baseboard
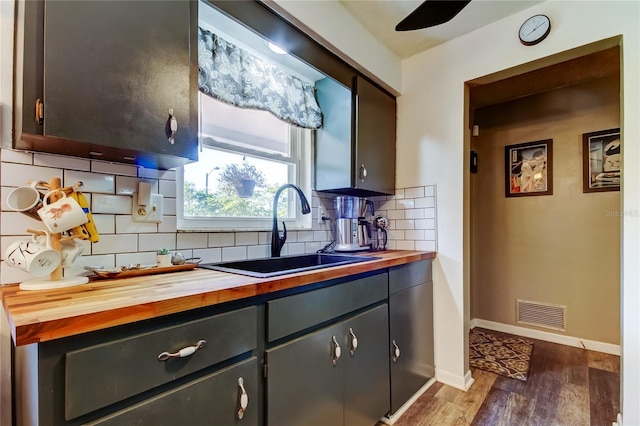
577,342
453,380
390,420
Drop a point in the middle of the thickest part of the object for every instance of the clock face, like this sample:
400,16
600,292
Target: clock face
534,30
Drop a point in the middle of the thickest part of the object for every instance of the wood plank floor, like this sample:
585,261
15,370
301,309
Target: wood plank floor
566,386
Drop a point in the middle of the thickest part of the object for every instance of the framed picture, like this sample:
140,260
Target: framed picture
601,161
528,169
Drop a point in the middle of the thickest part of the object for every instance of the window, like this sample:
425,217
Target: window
246,156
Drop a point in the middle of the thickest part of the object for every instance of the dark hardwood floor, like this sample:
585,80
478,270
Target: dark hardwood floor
566,386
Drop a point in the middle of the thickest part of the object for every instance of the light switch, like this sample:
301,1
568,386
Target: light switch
144,193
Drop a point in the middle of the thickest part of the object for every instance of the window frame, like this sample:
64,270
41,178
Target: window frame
301,141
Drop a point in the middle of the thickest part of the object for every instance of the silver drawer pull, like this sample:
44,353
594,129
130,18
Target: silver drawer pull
336,351
396,352
354,342
184,352
363,173
244,399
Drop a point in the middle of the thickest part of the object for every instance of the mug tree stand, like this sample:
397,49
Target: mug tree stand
55,279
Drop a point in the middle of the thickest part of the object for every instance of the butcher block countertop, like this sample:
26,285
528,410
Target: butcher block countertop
42,315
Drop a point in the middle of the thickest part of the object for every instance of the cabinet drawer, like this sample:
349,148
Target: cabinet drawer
213,399
100,375
290,314
409,275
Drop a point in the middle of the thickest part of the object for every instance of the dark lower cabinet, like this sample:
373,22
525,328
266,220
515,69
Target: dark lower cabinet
410,330
213,399
338,375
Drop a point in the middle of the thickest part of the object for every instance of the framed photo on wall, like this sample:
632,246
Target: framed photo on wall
529,169
601,161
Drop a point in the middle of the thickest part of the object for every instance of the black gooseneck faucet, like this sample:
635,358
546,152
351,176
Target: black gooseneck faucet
277,241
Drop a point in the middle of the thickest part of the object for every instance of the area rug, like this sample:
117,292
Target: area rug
507,356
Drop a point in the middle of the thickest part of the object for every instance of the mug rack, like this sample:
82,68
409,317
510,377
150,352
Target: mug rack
55,280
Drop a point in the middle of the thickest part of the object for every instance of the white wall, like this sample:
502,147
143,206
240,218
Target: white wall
431,149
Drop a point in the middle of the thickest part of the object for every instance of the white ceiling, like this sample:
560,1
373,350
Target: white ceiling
380,17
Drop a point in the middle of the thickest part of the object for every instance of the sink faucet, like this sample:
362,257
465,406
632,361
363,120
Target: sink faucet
277,241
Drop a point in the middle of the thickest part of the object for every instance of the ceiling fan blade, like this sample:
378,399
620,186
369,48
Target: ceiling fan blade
431,13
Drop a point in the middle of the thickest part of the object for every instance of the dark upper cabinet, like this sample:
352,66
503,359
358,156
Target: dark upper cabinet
356,147
108,73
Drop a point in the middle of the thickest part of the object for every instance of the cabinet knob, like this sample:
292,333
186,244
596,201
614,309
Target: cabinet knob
244,399
336,351
396,352
354,342
171,127
184,352
363,173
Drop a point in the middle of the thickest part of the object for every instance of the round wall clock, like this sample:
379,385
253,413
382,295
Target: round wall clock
534,30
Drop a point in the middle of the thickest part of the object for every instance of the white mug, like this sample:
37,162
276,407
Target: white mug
71,250
31,256
26,199
63,214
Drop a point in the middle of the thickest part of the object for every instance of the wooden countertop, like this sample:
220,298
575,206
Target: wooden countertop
38,316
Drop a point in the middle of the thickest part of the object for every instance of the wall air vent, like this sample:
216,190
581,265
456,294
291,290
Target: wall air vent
541,314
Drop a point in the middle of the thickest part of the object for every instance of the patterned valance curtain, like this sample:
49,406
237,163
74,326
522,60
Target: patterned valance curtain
237,77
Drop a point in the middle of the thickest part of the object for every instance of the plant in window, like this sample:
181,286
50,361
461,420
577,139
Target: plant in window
242,178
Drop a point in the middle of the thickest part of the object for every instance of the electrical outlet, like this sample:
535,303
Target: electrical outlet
320,214
148,214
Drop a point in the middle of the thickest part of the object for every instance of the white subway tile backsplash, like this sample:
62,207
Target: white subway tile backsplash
405,224
414,214
13,156
107,261
167,188
296,248
414,192
395,214
91,182
115,204
314,246
221,239
430,213
425,202
13,275
191,240
246,238
430,235
407,203
426,245
425,224
114,168
122,243
395,234
168,224
12,174
399,194
414,234
126,225
234,253
388,205
305,236
264,237
127,185
430,190
14,223
258,252
153,242
156,174
169,206
61,162
322,236
105,223
132,259
405,245
209,255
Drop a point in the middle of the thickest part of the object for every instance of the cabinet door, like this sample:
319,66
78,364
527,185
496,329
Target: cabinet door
113,70
304,387
411,330
366,376
213,399
375,136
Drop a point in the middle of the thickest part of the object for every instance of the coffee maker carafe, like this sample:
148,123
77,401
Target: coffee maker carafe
353,231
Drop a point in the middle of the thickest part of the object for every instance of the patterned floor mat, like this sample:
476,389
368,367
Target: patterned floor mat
507,356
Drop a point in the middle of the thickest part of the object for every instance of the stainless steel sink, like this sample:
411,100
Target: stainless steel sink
270,267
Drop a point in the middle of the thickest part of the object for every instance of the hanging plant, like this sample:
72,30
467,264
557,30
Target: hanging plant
242,178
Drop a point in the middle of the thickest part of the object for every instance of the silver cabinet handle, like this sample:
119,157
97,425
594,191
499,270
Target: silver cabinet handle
244,399
336,351
171,127
363,173
184,352
354,342
396,352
